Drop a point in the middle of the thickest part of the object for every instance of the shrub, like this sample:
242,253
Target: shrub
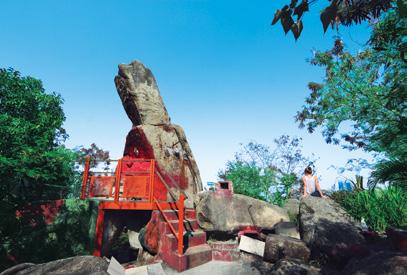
380,208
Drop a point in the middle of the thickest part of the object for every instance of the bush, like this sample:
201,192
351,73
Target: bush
380,208
340,196
70,234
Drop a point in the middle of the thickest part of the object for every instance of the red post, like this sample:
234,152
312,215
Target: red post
117,180
151,187
181,224
99,231
85,177
183,183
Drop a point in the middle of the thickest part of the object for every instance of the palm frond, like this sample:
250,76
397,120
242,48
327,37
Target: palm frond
393,171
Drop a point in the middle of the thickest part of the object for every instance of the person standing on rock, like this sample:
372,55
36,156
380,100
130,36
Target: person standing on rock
311,184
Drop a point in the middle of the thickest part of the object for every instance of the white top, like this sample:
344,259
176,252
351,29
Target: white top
310,181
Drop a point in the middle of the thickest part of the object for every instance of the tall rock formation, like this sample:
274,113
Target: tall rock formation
152,135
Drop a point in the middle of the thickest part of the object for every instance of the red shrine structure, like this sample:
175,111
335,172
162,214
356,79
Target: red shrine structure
137,184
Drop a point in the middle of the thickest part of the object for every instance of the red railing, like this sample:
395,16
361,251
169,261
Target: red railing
180,235
133,179
138,182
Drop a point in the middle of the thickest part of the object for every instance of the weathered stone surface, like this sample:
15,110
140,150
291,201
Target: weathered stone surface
229,214
17,268
293,208
280,247
80,265
140,96
398,237
292,267
168,145
152,135
325,226
288,229
382,263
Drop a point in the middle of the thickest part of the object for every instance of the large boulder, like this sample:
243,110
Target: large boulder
152,135
140,96
382,263
149,236
281,247
293,208
167,144
288,229
231,213
79,265
326,227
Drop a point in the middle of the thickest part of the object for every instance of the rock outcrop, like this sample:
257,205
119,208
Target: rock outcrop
229,214
281,247
140,96
288,229
79,265
326,227
293,208
152,135
293,267
382,263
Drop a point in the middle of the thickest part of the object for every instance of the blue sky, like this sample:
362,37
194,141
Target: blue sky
226,76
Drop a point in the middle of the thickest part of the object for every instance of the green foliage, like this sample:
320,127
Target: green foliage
393,170
37,242
249,180
338,12
340,196
34,167
380,208
72,229
260,172
367,90
33,163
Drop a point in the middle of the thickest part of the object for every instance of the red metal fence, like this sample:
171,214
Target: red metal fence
135,184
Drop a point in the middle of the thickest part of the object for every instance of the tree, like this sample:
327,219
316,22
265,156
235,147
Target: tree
34,164
338,12
264,173
286,157
97,155
368,90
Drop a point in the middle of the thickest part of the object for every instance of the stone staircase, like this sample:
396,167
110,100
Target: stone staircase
196,249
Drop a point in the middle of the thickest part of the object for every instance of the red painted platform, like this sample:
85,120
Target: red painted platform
136,184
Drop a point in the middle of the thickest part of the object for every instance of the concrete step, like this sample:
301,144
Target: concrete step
189,224
197,238
194,256
173,214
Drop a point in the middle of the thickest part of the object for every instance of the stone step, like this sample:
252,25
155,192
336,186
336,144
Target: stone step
225,250
173,214
194,256
189,224
197,238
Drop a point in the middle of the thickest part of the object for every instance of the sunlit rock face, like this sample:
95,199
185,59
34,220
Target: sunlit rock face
140,96
229,214
152,135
